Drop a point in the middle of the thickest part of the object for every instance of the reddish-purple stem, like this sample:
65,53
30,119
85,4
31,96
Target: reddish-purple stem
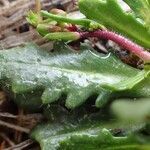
121,41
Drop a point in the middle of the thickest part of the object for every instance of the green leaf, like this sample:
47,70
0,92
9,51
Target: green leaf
86,132
32,72
111,15
142,9
84,138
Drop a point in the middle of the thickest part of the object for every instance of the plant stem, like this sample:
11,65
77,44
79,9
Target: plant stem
121,41
83,22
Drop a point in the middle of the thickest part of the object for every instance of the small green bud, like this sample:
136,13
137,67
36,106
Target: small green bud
94,25
32,18
45,29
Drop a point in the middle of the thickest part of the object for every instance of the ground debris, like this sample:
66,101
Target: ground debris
14,29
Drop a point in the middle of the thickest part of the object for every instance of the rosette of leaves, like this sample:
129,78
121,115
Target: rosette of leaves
36,78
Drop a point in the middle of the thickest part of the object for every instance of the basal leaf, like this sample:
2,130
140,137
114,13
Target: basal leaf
142,10
110,14
87,138
29,71
87,133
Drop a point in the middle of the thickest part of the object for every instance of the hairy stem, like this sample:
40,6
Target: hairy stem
121,41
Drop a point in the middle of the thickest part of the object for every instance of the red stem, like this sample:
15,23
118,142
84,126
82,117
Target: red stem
121,41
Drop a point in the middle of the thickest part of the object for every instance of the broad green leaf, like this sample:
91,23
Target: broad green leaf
86,132
84,138
110,14
142,9
32,72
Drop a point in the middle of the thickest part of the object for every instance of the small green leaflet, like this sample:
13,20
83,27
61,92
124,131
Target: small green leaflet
32,72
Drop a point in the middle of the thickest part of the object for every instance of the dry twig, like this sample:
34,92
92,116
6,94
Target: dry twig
15,127
21,146
7,139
